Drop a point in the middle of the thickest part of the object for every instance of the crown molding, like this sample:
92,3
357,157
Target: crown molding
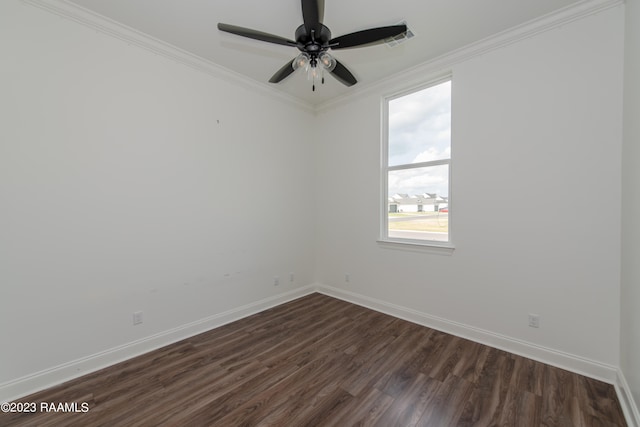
425,71
104,25
409,77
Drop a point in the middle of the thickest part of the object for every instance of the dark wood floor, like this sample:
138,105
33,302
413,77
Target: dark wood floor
322,361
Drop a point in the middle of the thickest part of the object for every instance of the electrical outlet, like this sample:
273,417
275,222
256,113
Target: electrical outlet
276,281
291,277
534,321
137,317
347,278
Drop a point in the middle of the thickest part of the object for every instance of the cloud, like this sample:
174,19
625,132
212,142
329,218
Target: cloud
419,122
432,179
420,131
432,153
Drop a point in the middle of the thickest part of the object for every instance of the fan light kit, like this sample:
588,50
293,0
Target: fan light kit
311,65
313,40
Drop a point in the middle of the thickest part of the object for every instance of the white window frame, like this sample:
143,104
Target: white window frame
433,246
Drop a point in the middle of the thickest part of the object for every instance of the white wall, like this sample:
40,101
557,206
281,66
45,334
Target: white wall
118,167
535,120
630,319
117,171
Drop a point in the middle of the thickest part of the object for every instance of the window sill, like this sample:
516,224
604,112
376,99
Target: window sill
445,249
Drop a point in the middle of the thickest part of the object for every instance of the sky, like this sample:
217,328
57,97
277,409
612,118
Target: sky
420,131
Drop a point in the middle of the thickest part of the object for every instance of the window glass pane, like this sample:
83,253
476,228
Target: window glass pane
418,203
420,126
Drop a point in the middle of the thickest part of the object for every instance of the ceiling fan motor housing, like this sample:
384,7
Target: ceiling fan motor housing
314,42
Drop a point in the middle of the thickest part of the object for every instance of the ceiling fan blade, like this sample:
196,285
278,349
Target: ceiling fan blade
256,35
343,75
282,73
312,15
369,36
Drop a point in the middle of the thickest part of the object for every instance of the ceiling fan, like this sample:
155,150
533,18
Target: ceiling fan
313,40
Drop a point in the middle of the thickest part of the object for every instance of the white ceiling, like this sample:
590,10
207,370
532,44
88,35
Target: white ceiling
440,26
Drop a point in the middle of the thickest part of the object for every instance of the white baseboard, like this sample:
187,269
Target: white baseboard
625,397
570,362
29,384
56,375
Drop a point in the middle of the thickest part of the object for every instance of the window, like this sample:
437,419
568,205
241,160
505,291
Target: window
416,166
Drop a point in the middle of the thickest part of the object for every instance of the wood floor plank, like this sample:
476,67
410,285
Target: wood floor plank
527,375
471,361
560,389
447,405
320,361
366,409
485,404
598,401
409,406
302,384
374,366
328,411
520,408
215,408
